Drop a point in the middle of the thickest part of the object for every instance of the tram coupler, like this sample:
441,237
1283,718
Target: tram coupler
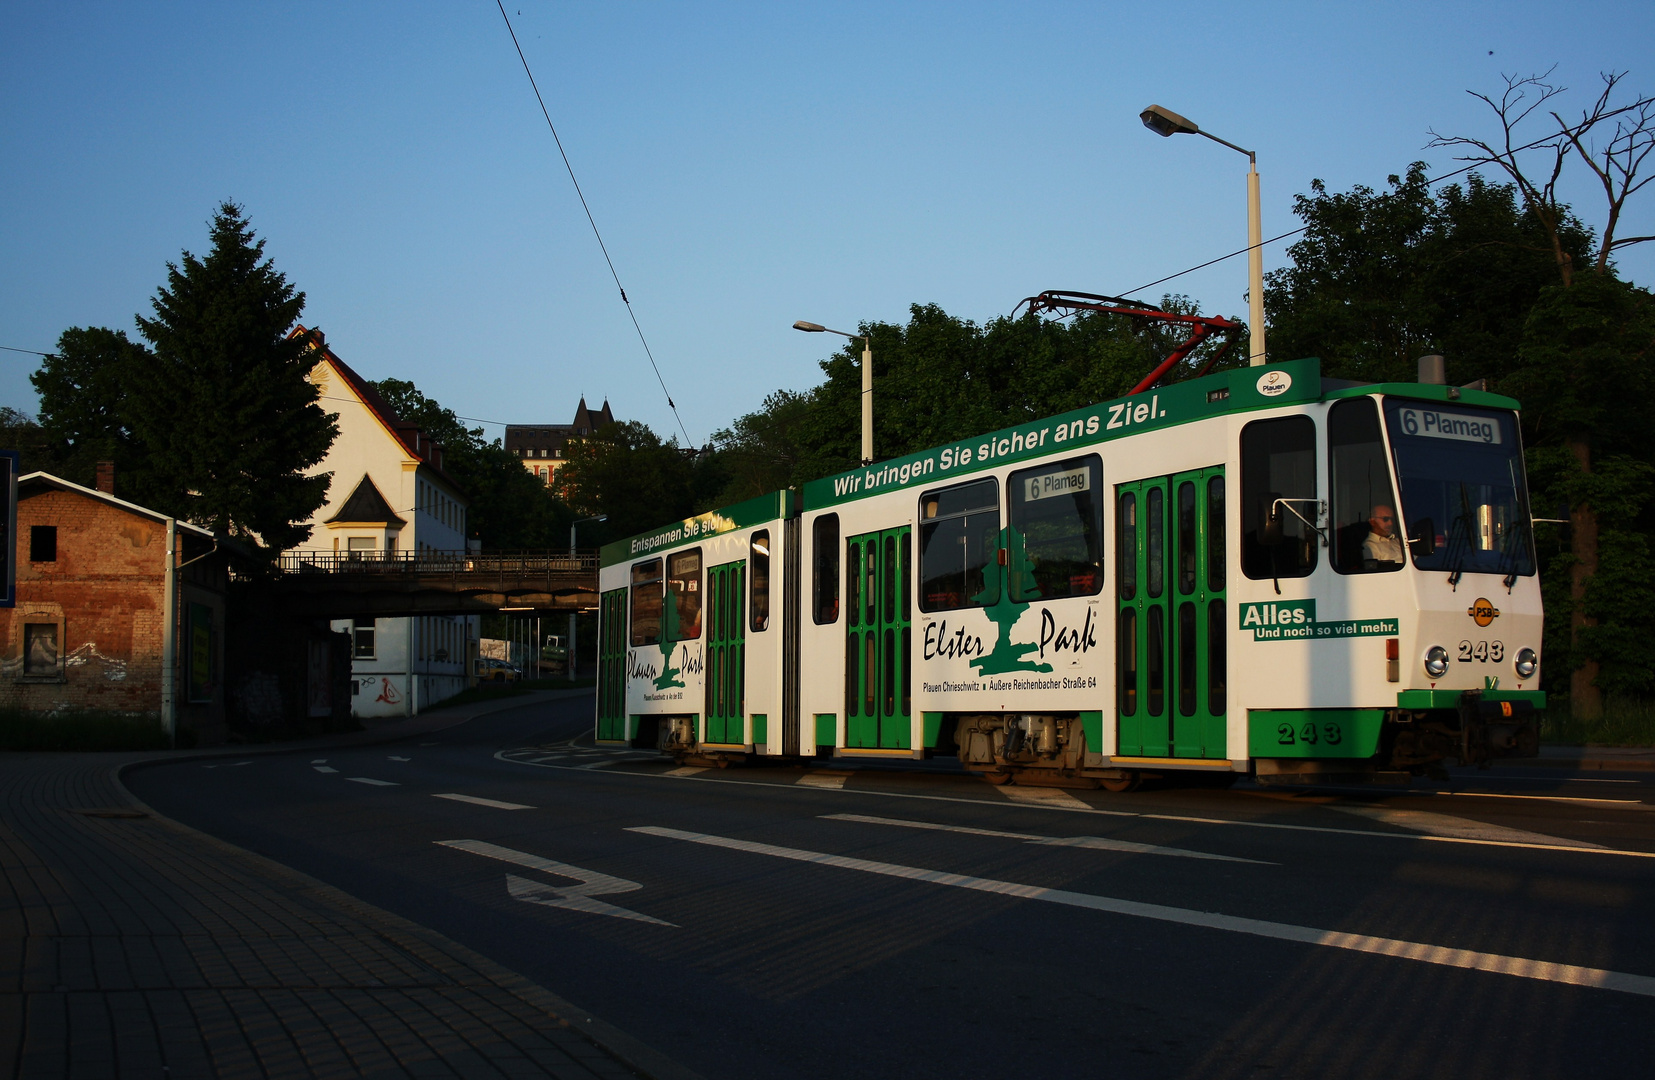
1496,729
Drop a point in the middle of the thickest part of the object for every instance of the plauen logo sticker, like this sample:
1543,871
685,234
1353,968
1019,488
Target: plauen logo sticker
1483,611
1274,383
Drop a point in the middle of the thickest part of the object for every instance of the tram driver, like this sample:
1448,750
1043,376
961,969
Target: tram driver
1383,545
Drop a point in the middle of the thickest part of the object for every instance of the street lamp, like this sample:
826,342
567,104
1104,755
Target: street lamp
867,381
569,646
1165,122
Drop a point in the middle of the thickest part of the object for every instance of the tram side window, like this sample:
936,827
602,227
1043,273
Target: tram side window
684,585
959,537
825,569
1278,462
758,561
1367,537
646,602
1058,511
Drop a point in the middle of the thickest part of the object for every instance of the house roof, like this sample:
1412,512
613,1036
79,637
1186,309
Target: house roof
554,436
413,441
49,481
367,506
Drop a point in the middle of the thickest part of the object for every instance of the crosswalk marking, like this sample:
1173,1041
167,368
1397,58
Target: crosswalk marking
371,780
687,770
824,779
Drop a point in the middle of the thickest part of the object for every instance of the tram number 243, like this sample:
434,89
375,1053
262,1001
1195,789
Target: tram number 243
1482,651
1288,735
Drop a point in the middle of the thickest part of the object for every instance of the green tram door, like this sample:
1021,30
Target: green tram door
726,674
612,666
1171,674
879,619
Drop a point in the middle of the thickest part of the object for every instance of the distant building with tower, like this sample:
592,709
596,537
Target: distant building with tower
541,446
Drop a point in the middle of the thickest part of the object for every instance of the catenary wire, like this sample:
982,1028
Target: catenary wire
543,111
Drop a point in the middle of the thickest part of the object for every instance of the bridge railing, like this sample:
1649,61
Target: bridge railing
405,563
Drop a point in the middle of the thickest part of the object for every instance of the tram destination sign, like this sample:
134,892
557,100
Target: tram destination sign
1295,620
1461,427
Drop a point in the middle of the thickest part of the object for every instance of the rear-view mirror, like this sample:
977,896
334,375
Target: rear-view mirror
1424,541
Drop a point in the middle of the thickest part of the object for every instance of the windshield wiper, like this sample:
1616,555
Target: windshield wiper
1461,529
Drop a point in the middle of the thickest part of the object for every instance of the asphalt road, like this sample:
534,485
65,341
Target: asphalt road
838,922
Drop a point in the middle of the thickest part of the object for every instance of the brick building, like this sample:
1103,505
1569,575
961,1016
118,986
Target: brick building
88,630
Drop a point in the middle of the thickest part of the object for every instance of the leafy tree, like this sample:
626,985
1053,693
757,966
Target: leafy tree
228,421
1613,139
20,432
625,472
85,396
940,378
1382,278
510,508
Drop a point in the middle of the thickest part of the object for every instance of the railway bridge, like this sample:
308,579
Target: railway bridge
403,583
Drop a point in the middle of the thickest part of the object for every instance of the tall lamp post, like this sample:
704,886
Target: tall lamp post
569,646
1165,122
867,381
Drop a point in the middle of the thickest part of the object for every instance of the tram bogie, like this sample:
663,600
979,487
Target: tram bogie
1258,571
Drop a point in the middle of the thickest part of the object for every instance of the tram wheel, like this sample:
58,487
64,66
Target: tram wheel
1121,784
997,778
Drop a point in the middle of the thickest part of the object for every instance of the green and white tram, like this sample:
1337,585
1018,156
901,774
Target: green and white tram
1259,570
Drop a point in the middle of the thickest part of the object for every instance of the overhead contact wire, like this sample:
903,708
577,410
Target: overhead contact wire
589,219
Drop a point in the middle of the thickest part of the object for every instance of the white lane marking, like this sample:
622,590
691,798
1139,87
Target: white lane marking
324,768
371,780
1279,826
574,897
320,761
820,779
1424,821
687,770
477,800
1521,967
1101,843
1042,796
393,757
1541,798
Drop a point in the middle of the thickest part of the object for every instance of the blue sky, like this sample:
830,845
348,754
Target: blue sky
748,164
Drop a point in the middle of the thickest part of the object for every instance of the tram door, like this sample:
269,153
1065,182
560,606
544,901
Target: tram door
1198,683
612,666
1144,723
879,619
726,674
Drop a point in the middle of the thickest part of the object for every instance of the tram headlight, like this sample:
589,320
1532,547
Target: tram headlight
1436,661
1527,660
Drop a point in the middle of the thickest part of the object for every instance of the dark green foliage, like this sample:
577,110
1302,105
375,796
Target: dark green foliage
226,416
509,508
20,432
80,730
940,378
84,393
1584,384
626,472
1382,278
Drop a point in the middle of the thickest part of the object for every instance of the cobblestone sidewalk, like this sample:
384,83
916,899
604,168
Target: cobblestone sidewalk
133,946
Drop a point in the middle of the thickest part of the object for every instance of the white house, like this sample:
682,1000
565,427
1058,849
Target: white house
389,494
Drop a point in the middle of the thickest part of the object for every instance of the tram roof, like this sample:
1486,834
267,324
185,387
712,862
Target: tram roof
776,505
1235,391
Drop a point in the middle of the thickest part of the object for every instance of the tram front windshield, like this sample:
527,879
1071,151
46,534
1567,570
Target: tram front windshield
1461,475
